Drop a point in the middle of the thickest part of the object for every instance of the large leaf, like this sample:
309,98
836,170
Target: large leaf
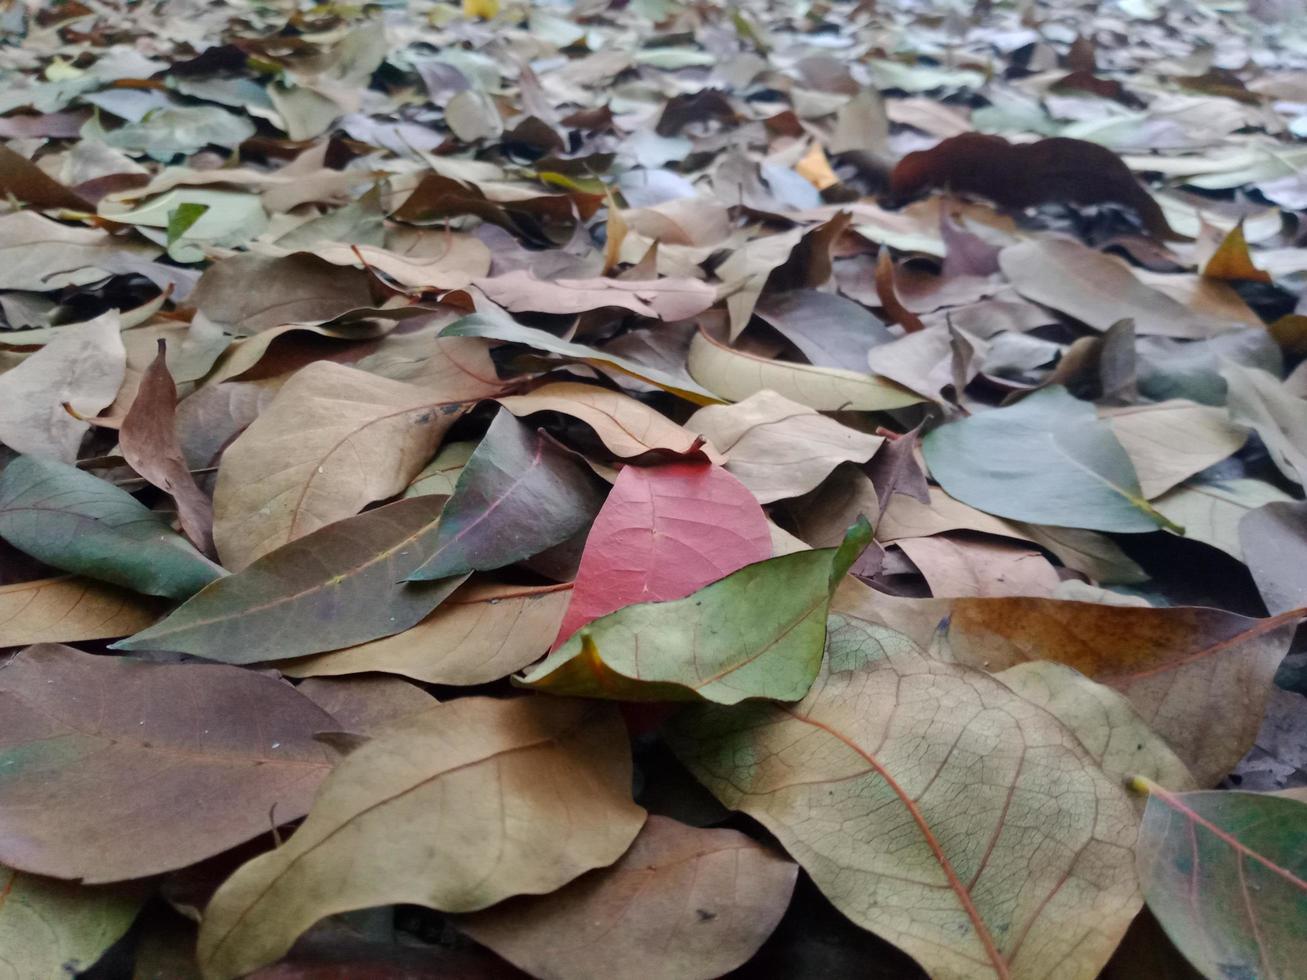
82,369
1226,875
662,533
779,448
1199,677
518,494
1099,290
334,440
342,584
1047,460
502,327
67,610
113,768
757,633
250,292
683,903
1257,399
666,299
74,521
456,808
52,928
39,254
933,806
481,633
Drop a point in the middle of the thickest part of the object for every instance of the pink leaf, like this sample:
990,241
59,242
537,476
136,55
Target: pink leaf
664,532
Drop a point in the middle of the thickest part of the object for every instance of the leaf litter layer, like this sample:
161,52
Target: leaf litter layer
652,489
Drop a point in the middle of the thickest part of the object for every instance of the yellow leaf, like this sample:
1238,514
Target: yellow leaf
815,169
485,9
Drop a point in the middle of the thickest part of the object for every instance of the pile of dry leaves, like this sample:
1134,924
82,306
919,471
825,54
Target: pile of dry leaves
653,489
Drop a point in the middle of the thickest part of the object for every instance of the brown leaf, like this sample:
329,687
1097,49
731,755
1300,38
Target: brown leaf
26,182
933,806
1058,169
457,808
889,301
681,904
148,439
106,754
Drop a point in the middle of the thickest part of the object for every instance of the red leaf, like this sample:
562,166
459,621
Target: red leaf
664,532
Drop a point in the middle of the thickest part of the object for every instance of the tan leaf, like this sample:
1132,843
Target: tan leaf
82,370
69,610
454,260
1098,289
935,807
667,299
1110,730
1199,677
333,440
778,448
629,428
483,632
456,808
957,567
1170,441
39,254
735,375
683,903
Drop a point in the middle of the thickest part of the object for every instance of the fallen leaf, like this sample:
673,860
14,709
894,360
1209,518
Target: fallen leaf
339,585
1103,721
683,903
889,300
1099,290
483,632
503,328
366,705
68,610
457,808
954,567
333,440
779,448
50,928
149,444
874,784
517,495
757,633
1232,262
440,476
1179,666
735,375
666,299
1273,539
82,369
1061,170
39,254
1258,400
1224,874
24,181
662,533
1211,512
629,428
829,330
78,728
1170,441
249,293
1047,460
76,522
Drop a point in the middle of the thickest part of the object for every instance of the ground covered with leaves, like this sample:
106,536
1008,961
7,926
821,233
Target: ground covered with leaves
652,489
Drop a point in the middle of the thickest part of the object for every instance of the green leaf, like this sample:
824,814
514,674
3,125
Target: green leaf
1226,875
757,633
517,495
51,928
77,522
181,218
340,585
1047,460
505,328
